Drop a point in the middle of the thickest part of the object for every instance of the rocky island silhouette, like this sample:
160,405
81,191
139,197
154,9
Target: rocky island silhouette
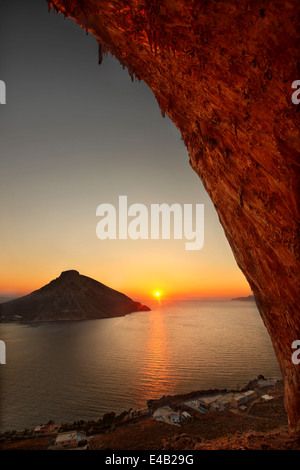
71,296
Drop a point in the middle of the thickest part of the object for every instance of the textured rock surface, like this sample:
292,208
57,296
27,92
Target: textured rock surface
70,297
223,72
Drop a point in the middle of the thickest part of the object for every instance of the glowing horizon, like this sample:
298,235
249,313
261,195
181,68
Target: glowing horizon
168,291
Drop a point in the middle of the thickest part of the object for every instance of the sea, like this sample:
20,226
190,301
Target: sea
68,371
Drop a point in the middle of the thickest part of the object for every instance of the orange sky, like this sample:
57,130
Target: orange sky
137,272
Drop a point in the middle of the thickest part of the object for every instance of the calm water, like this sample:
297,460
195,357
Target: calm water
80,370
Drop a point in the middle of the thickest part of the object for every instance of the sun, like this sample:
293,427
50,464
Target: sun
157,294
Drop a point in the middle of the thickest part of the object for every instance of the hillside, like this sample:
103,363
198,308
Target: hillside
263,426
69,297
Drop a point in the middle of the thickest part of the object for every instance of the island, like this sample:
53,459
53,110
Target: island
71,296
250,298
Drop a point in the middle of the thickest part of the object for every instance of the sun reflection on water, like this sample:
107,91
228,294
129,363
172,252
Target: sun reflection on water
157,375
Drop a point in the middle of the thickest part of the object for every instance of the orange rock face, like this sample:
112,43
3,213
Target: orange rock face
223,72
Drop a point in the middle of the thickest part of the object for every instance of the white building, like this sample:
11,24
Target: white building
267,397
220,402
208,400
186,415
167,415
70,439
266,383
47,429
225,402
243,397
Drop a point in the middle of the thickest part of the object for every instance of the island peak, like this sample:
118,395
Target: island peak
71,296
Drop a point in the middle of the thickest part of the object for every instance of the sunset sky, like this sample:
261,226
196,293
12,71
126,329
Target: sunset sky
75,135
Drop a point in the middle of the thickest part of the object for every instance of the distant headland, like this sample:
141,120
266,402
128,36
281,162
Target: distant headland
249,298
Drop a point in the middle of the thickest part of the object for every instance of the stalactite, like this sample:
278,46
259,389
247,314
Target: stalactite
100,53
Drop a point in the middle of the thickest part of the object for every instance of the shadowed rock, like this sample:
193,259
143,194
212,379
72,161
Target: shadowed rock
70,297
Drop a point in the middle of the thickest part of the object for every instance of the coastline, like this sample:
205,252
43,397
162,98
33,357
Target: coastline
106,432
121,397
